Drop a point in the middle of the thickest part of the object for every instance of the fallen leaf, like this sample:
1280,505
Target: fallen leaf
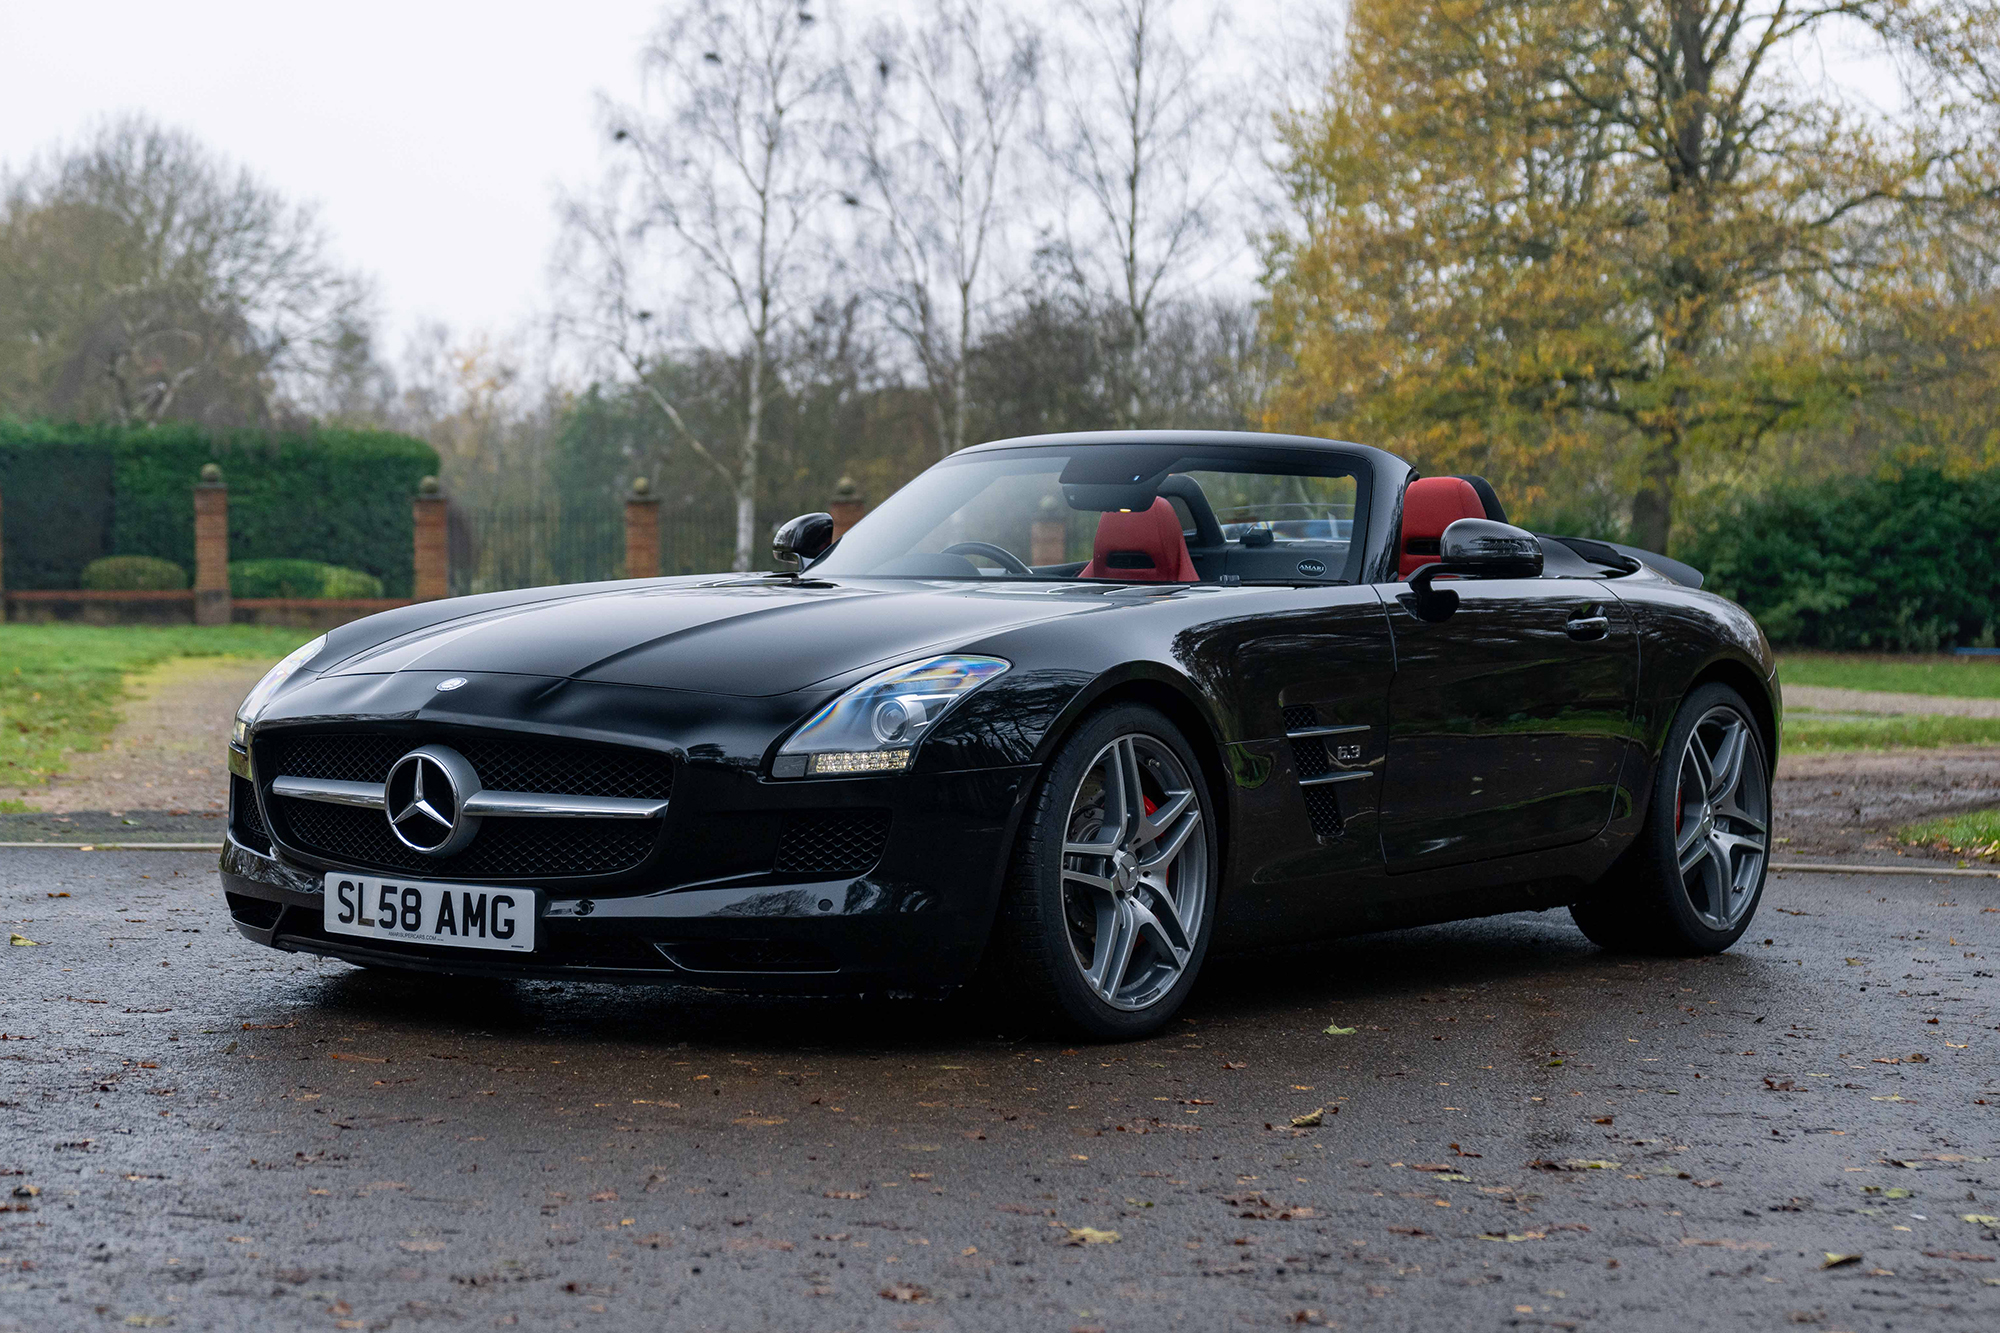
1981,1219
905,1293
420,1246
1839,1260
1960,1255
1234,1064
19,940
1513,1235
844,1194
1090,1236
27,1191
1309,1120
1339,1032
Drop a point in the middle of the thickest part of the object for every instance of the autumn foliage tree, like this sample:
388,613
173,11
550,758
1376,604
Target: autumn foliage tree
1528,236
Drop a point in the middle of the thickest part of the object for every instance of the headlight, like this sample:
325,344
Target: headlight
253,702
874,727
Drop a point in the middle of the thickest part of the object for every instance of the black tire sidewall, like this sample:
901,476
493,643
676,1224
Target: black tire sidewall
1043,848
1680,913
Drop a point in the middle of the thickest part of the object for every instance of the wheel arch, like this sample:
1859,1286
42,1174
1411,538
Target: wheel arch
1166,694
1756,692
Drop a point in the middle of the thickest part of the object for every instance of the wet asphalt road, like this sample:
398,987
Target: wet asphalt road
1520,1132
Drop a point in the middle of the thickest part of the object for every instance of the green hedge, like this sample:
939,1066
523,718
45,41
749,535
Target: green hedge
134,573
299,578
73,494
1908,563
55,486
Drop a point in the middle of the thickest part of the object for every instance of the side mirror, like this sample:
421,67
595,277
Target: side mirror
802,540
1482,548
1474,548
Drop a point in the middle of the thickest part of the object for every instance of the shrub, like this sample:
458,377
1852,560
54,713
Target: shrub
134,573
299,578
1909,563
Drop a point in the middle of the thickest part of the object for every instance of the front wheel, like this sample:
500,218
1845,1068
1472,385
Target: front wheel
1111,894
1692,881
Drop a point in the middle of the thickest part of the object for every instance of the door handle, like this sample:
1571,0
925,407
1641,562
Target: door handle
1589,627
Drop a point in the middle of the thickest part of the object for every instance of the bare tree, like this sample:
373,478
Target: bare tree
142,278
1145,138
938,114
720,173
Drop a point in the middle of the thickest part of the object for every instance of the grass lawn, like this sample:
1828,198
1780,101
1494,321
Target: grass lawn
1976,834
1898,673
1844,731
60,685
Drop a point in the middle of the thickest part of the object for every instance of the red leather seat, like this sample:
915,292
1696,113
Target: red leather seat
1144,546
1430,505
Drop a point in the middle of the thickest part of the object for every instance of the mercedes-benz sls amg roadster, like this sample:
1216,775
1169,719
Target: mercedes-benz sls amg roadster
1060,717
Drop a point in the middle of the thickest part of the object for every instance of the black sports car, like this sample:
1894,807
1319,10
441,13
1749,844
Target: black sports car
1064,713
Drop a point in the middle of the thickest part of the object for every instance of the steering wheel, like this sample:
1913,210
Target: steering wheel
1005,557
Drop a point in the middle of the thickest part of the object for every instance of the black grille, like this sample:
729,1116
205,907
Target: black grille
832,844
559,767
504,848
1300,716
246,822
1323,808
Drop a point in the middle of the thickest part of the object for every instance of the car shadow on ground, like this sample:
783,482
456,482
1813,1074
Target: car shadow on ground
1523,957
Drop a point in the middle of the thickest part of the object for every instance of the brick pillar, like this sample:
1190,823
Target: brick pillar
211,548
1048,536
847,507
642,532
433,544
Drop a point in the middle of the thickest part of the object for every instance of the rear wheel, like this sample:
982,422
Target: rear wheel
1111,895
1691,883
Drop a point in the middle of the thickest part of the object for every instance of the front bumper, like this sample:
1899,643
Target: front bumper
917,922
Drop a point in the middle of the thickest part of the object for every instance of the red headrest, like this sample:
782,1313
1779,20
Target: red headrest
1430,505
1142,545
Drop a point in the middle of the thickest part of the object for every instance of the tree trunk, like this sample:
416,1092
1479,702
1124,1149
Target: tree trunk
1653,502
746,478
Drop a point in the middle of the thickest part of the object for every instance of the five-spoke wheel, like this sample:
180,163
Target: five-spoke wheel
1134,871
1112,891
1722,817
1691,879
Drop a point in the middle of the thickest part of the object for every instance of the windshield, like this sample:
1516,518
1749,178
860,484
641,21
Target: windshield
1124,513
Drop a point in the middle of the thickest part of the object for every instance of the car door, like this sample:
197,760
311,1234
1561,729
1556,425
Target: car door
1306,674
1507,720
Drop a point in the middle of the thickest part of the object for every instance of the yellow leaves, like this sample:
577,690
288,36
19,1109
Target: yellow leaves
1090,1236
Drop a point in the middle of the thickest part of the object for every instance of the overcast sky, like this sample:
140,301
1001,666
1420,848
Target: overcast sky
433,134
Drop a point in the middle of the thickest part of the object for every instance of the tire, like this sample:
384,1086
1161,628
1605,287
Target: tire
1691,882
1100,943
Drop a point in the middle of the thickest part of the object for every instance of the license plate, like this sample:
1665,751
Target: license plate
461,916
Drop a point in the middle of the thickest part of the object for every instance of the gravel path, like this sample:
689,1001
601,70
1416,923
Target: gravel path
168,754
1826,699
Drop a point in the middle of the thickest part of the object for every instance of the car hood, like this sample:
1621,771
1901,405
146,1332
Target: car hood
741,636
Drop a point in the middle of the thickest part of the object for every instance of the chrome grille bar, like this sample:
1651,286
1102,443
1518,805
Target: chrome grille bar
485,804
1332,778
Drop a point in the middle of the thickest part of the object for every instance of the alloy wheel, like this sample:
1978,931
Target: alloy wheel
1722,817
1134,872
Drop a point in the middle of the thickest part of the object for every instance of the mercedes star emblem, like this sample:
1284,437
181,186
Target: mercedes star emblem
425,800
